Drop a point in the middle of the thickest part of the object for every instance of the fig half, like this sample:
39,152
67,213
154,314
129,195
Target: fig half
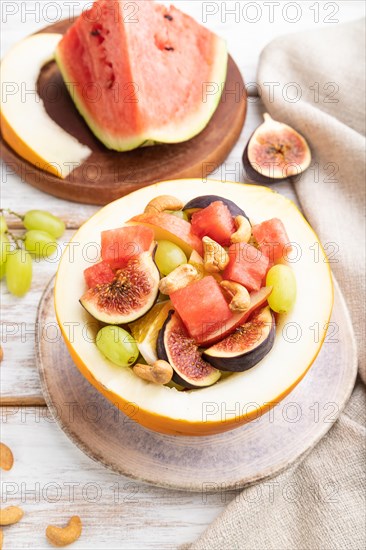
275,152
205,200
129,296
181,351
246,346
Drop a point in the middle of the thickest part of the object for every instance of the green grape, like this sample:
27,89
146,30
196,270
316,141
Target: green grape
168,256
40,243
117,345
283,296
3,225
44,221
19,272
5,248
178,213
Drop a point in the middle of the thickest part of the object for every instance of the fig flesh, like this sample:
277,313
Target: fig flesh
275,152
181,351
257,299
246,346
129,296
205,200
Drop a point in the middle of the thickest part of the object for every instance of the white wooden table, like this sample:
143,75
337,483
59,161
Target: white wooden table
51,479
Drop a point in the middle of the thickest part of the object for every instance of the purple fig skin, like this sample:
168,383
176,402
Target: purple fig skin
245,360
206,200
162,354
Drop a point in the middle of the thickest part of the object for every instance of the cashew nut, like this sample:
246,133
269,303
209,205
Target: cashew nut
243,230
10,515
164,202
6,457
62,536
159,372
180,277
1,354
215,258
1,538
240,296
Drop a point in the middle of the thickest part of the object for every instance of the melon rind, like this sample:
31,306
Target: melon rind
25,124
235,399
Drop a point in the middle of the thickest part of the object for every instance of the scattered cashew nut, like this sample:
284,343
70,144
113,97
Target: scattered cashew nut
240,296
215,258
6,457
243,230
180,277
159,372
162,203
63,536
10,515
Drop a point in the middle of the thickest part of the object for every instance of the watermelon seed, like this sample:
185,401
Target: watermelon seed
168,17
169,49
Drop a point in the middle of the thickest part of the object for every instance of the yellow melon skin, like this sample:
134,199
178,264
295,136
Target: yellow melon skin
236,399
23,149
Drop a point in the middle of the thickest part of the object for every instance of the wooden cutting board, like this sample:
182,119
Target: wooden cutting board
107,175
226,461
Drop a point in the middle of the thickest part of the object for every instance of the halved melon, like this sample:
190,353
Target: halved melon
25,124
242,396
140,72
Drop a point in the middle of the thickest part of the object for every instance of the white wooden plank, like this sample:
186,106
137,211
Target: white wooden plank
18,374
116,513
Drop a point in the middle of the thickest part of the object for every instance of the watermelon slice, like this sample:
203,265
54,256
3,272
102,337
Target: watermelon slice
98,274
120,245
139,78
202,308
247,266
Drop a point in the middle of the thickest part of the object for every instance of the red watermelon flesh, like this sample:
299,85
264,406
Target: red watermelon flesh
120,245
138,70
202,308
98,274
214,221
272,239
247,266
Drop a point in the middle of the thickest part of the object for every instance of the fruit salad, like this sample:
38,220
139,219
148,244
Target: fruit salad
185,293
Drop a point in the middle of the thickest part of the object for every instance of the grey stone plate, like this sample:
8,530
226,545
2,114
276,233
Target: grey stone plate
229,460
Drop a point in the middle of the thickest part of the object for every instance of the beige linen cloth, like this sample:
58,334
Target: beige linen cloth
318,518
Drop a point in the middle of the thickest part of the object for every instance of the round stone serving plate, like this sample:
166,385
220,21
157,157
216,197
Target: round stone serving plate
108,175
229,460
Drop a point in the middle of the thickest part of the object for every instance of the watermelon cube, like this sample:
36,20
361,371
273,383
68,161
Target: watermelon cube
98,274
214,221
272,239
202,307
247,266
119,246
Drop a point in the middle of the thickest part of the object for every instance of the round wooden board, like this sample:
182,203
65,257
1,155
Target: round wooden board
226,461
107,175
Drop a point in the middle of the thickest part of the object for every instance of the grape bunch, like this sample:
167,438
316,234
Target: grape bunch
17,252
